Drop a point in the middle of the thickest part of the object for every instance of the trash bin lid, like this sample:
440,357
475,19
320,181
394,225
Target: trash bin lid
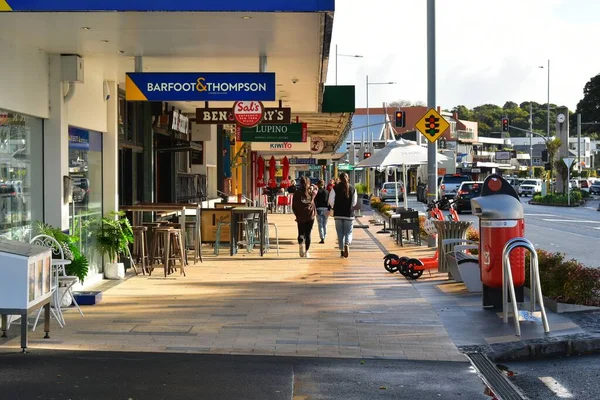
498,206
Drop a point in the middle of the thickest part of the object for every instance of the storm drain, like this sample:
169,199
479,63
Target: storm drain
494,379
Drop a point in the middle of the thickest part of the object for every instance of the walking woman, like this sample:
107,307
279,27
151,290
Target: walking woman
321,202
343,200
303,206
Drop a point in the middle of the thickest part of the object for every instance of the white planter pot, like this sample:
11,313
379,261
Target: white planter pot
114,271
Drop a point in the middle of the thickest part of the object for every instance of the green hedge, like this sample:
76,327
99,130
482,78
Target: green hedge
559,199
566,281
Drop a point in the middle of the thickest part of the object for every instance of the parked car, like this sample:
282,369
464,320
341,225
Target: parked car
466,191
388,191
530,186
514,182
450,184
585,185
595,188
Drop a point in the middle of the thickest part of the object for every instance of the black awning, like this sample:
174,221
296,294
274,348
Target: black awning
176,145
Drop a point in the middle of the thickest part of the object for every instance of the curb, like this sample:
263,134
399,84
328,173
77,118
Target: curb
563,346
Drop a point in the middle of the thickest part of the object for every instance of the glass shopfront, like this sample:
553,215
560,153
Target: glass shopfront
85,170
21,174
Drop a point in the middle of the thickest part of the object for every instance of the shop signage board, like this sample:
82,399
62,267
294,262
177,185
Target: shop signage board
197,157
200,86
248,113
173,5
316,145
179,122
432,125
281,147
345,167
273,132
205,116
303,161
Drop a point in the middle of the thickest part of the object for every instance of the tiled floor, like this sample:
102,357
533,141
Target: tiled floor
322,306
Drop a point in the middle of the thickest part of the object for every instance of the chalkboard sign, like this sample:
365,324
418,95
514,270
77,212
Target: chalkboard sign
198,156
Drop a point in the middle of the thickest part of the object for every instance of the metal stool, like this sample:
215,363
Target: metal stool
176,250
220,225
159,253
140,249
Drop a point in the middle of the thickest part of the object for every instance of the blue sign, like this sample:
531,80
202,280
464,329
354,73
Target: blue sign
173,5
303,161
200,86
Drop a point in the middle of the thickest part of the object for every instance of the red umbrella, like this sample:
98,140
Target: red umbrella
260,178
286,171
272,180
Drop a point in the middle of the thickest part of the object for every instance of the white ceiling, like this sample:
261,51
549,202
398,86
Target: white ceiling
187,42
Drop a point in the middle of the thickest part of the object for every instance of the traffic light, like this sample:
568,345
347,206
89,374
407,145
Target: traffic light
432,125
547,166
366,155
545,155
400,119
505,124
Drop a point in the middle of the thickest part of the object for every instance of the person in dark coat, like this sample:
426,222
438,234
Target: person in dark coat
343,200
303,206
322,205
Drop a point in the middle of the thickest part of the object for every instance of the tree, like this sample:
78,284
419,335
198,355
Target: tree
406,103
552,146
589,106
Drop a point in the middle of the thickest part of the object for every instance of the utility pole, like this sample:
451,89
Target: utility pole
530,139
578,142
431,103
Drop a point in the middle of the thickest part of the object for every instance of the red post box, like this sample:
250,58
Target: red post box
501,219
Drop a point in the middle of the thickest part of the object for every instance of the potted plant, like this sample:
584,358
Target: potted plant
70,246
113,237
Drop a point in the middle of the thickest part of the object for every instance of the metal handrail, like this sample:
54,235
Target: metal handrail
508,283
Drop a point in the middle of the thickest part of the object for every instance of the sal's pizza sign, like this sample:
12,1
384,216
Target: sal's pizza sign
207,116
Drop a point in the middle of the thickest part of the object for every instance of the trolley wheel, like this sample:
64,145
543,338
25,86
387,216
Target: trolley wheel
391,263
410,268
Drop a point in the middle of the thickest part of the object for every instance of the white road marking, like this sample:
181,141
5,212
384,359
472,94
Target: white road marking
559,390
570,220
539,215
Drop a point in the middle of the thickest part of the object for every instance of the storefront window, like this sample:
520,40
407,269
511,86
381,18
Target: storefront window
21,174
85,170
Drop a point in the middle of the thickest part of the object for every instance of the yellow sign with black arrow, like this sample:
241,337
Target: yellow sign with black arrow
432,125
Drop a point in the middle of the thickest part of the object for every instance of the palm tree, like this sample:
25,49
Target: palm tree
552,147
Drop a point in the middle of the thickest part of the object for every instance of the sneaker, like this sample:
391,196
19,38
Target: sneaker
322,241
342,254
307,255
345,252
301,249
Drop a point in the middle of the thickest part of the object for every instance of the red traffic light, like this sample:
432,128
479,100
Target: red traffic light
505,124
400,119
367,155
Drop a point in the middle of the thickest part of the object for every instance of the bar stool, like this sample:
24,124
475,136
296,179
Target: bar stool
140,249
220,226
159,252
176,250
190,240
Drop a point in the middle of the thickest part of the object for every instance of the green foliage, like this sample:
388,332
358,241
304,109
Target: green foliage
588,106
539,172
566,281
114,235
79,266
558,199
361,188
523,174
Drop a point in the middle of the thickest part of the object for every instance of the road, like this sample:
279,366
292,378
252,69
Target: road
566,378
133,376
574,231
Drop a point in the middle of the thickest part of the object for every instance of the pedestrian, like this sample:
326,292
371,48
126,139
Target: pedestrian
330,185
292,187
322,205
303,206
343,200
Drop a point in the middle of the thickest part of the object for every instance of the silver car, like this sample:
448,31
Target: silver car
388,191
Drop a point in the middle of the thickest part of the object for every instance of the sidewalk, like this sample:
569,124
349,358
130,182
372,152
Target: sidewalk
323,306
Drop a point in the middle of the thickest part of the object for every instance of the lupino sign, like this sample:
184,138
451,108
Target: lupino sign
273,133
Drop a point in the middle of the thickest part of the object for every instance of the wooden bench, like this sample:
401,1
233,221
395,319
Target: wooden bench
464,267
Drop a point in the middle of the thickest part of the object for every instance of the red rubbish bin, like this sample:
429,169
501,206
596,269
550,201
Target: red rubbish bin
501,219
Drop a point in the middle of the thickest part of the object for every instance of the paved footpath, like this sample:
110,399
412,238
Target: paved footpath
283,305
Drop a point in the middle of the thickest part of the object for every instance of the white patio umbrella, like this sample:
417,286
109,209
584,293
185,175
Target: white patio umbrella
400,153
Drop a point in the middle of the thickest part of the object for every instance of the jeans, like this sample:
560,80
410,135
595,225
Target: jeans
322,215
304,231
344,228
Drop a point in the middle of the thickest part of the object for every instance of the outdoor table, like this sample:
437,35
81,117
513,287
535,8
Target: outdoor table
241,211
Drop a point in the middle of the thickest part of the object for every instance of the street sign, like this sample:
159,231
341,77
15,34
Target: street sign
345,167
305,161
432,125
568,162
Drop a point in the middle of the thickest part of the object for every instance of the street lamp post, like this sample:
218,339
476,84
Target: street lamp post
369,134
548,104
336,61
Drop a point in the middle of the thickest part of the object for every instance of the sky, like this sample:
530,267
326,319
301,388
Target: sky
488,51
